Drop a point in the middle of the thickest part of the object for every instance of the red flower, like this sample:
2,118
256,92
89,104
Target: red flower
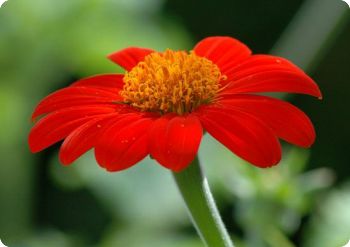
162,103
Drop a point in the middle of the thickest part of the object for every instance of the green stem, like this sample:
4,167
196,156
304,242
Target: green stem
204,214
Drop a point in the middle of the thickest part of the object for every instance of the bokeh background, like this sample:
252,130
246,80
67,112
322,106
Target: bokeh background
47,44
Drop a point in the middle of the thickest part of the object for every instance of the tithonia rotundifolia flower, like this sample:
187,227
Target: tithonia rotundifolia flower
165,100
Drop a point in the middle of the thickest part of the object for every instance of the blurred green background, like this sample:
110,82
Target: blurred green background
47,44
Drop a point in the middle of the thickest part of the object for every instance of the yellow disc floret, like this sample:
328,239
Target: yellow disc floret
172,81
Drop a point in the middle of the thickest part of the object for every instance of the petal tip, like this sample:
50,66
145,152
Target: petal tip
269,164
129,57
111,56
65,161
34,148
318,93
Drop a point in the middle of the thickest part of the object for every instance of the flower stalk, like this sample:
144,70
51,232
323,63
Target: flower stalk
204,214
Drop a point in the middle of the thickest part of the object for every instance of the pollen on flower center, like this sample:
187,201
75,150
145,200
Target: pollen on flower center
173,81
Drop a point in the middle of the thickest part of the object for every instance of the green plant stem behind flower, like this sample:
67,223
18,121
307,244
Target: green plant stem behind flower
196,193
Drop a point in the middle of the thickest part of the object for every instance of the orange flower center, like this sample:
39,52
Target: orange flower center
173,81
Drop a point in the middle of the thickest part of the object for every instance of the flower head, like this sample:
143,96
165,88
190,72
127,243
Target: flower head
161,105
173,81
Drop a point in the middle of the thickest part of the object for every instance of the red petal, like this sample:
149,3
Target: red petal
245,135
75,96
226,52
262,73
57,125
286,120
112,82
174,140
129,57
83,139
260,63
124,143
